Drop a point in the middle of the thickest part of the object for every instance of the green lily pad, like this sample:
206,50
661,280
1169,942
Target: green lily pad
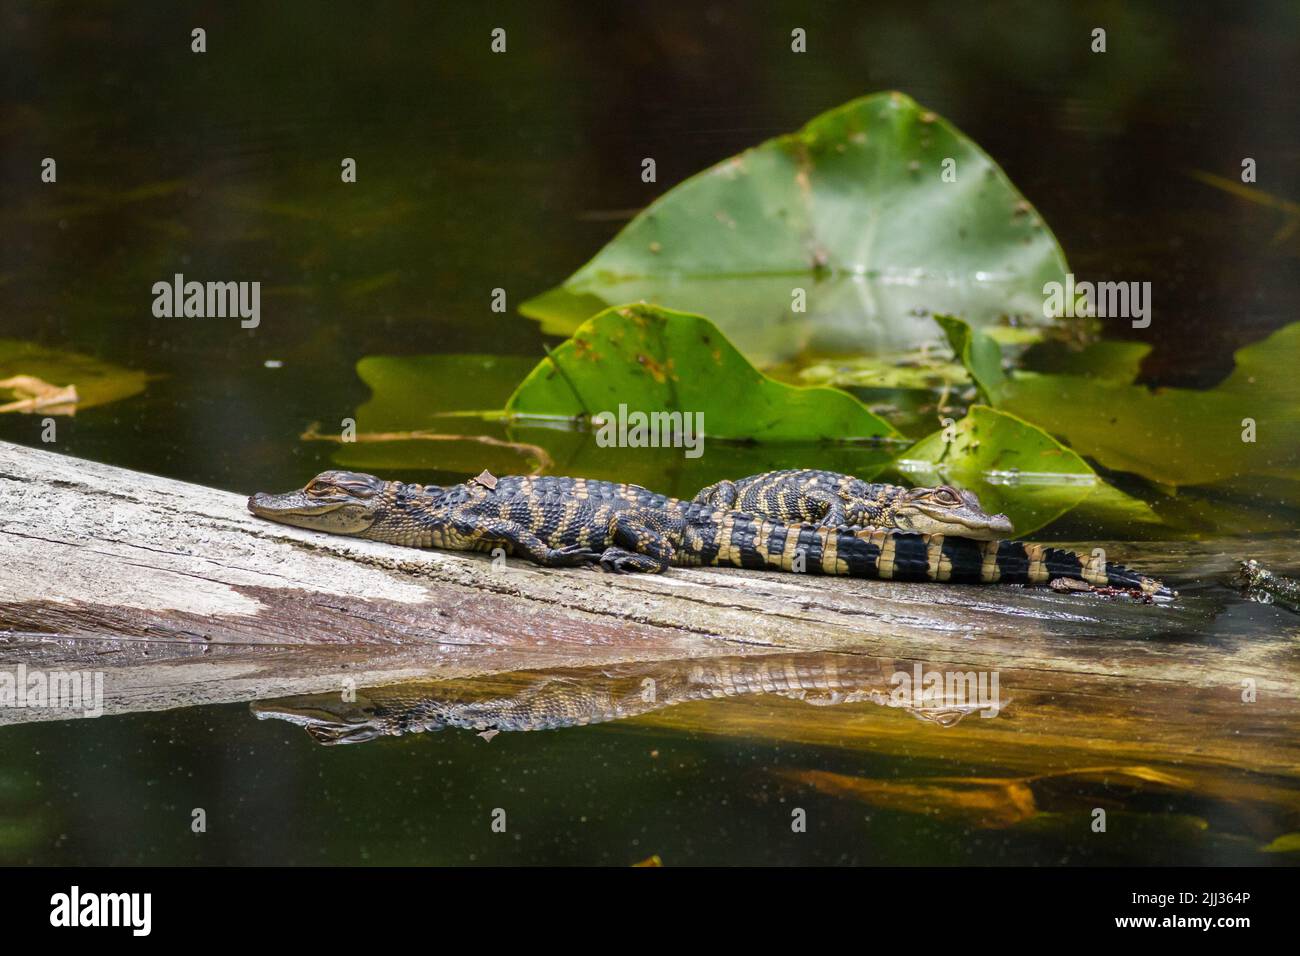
1109,359
930,370
853,210
1020,470
1014,467
461,396
1109,512
1243,505
96,382
1177,436
425,391
457,395
978,352
647,359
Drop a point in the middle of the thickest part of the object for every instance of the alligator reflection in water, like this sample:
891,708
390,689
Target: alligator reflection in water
575,697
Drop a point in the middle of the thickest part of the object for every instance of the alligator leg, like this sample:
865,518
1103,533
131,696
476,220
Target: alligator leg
721,495
637,546
524,542
825,509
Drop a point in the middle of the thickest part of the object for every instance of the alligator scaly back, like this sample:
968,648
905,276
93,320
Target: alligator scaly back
833,499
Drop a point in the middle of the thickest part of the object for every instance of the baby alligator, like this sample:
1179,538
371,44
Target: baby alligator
824,498
558,529
833,500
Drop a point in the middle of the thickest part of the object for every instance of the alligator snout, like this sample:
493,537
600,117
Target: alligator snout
1001,525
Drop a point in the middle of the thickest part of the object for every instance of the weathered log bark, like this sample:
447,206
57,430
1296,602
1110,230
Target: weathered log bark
181,597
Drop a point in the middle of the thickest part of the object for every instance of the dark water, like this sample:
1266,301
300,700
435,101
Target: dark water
477,172
122,791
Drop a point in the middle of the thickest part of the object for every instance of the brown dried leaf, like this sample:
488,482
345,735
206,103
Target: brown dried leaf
33,394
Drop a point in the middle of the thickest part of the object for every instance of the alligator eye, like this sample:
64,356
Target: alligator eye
334,484
946,496
319,489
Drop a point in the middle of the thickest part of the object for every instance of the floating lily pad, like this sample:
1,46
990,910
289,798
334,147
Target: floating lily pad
1020,470
1109,359
95,382
1177,436
414,397
419,404
920,369
649,359
853,210
1014,467
423,391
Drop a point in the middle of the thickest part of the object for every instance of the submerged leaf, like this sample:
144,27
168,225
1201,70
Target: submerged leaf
1286,843
1110,360
641,358
853,212
920,369
972,801
59,383
32,394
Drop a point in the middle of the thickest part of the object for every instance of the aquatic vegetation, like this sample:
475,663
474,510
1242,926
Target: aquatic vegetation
55,382
833,211
1248,424
650,359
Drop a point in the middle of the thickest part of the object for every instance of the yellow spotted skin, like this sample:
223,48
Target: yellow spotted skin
819,497
559,522
835,500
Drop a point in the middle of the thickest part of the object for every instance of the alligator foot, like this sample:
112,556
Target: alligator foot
571,556
1071,585
621,561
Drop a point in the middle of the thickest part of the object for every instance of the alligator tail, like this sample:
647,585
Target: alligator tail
1015,562
731,538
